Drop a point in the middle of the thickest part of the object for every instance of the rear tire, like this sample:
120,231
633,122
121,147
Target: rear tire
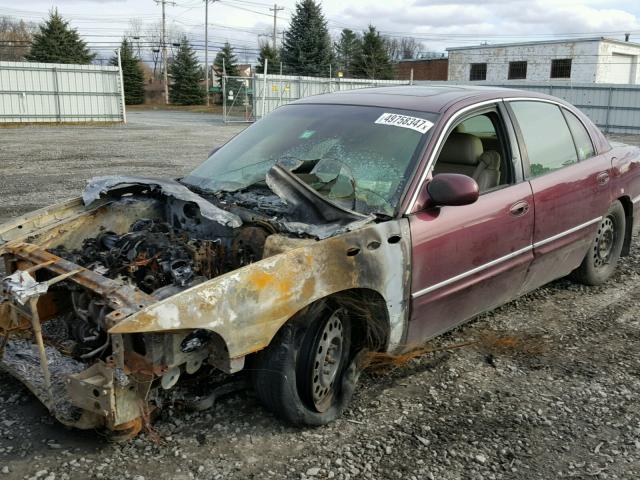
307,374
602,257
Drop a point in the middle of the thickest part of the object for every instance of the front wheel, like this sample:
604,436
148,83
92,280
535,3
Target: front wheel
307,374
602,257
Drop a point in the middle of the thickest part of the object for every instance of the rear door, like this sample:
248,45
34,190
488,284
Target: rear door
570,185
468,259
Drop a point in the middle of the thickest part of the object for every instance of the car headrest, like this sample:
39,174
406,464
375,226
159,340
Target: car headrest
461,149
491,159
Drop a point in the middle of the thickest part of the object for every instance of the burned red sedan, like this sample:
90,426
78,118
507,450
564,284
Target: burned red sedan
361,221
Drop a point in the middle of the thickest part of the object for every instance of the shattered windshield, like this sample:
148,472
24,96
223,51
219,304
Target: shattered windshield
360,157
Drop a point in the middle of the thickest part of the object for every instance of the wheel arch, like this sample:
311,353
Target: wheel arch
368,311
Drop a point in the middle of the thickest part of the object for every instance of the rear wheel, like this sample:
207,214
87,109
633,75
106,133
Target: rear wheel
602,258
307,374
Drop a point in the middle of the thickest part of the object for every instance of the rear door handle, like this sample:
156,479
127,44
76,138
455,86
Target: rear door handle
520,208
603,178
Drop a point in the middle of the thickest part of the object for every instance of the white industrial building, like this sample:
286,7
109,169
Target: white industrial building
585,60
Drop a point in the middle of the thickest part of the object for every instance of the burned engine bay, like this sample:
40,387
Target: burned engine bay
156,258
134,243
169,249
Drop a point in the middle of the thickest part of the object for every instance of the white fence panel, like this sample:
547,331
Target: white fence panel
615,108
51,92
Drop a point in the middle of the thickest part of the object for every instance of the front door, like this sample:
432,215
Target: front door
570,184
469,259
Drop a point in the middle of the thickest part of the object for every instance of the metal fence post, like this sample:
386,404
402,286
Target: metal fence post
224,98
264,88
606,123
56,92
122,95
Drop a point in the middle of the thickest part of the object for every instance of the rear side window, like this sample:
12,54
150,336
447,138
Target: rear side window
546,136
580,135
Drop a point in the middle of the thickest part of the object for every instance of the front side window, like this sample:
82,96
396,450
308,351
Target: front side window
476,148
580,136
478,71
371,149
561,68
546,136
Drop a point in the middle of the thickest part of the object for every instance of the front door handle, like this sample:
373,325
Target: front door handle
520,208
603,178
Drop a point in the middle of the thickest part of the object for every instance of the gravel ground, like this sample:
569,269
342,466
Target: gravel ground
549,389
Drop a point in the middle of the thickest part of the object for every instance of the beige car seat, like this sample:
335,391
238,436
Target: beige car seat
463,153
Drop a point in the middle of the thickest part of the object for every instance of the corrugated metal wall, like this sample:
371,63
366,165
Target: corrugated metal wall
614,108
51,92
283,89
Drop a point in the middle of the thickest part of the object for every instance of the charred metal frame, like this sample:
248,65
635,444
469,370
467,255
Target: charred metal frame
242,309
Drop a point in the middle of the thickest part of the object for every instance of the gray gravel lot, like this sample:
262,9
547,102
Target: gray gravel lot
43,165
550,389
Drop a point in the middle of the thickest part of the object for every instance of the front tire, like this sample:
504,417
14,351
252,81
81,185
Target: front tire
307,374
602,257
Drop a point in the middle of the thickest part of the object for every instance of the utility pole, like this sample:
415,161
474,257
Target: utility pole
206,46
164,50
275,11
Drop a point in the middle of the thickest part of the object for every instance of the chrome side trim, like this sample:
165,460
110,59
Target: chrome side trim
536,99
497,261
566,232
636,200
471,272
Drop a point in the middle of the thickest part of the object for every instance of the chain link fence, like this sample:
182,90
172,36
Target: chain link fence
246,99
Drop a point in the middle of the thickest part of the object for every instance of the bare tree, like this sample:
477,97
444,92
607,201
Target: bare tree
410,47
15,39
402,48
153,40
134,34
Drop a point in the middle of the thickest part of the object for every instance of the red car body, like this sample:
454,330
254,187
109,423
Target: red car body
470,259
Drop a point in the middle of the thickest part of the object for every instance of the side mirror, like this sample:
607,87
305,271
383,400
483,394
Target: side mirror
452,189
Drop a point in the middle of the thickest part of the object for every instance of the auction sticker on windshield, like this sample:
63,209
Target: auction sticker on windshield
414,123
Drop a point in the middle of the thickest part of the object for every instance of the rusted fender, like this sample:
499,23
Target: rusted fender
246,307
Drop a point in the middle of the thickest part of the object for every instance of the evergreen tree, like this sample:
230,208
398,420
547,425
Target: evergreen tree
56,42
269,53
132,74
226,63
306,49
372,60
186,74
347,49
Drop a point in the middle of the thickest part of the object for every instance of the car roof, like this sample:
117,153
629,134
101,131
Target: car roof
431,98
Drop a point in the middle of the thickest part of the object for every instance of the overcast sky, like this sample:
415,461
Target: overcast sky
437,23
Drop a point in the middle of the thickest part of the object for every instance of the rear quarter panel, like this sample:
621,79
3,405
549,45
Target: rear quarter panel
625,161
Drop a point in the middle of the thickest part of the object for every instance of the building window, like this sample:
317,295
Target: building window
517,70
561,68
478,71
